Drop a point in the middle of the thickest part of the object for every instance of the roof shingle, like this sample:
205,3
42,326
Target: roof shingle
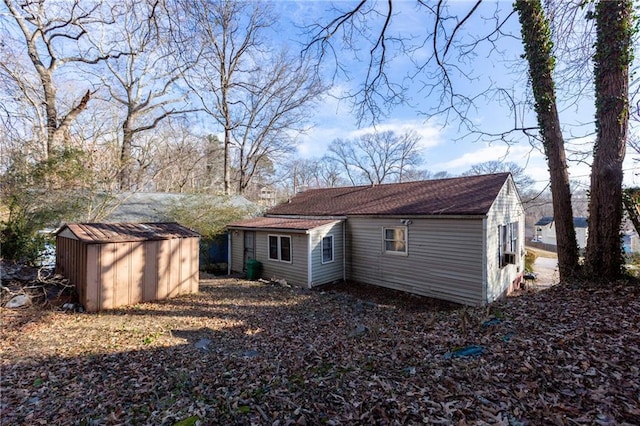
469,195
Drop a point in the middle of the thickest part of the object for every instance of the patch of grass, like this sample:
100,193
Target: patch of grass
529,260
151,338
542,253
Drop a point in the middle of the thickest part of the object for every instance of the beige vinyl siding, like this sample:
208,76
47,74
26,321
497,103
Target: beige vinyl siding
444,258
332,271
295,273
237,251
506,209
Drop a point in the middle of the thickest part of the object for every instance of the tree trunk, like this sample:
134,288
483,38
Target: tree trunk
613,55
126,158
536,36
227,162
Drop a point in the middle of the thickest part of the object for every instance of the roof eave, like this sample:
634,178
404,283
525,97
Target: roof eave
267,229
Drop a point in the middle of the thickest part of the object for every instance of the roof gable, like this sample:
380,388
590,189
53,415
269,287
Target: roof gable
469,195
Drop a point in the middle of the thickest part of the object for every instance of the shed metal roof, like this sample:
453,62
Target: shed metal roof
469,195
127,232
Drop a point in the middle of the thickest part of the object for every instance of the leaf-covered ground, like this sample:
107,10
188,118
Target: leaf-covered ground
248,353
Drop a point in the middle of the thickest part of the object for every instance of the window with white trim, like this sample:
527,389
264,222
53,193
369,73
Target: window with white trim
507,243
280,248
395,240
327,249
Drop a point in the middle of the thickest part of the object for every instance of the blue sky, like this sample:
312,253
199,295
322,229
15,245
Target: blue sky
444,147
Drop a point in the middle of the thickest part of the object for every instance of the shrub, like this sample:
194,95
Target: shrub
529,260
37,195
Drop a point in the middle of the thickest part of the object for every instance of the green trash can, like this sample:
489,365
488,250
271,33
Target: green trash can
253,269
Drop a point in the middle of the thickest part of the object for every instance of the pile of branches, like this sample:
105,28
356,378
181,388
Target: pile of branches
39,287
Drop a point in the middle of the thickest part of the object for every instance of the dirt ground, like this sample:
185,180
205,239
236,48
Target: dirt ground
250,353
546,270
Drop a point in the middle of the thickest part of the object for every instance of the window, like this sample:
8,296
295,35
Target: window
514,237
280,248
395,240
327,249
507,243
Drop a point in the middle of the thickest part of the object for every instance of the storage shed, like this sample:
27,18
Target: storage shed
117,264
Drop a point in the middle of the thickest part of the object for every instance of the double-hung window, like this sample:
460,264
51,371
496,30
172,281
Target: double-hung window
280,248
395,240
327,249
508,243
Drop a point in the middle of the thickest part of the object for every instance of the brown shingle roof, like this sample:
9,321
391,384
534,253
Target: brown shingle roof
125,232
470,195
281,223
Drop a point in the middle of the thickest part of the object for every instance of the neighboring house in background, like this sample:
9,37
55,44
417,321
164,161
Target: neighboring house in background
545,231
267,196
139,207
459,239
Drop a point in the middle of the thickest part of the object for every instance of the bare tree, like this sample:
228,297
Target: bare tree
442,56
145,82
54,35
257,95
21,115
329,173
375,158
445,52
302,174
173,158
521,179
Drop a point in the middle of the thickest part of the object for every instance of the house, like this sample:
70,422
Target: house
458,239
136,207
545,231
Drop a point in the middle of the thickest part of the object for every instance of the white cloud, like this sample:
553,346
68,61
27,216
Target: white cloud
315,142
488,152
532,161
431,135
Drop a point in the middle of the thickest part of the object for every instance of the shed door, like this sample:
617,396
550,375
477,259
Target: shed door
249,247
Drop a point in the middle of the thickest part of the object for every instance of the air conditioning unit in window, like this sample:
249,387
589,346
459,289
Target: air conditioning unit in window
509,259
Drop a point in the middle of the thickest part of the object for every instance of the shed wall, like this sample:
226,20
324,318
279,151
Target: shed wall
444,258
117,274
71,262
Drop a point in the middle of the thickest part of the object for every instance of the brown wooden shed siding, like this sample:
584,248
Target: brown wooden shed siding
112,274
71,261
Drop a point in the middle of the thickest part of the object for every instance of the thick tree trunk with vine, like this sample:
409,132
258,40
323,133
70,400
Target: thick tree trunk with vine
612,58
536,36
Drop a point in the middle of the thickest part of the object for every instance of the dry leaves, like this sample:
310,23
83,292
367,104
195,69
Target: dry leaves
248,353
